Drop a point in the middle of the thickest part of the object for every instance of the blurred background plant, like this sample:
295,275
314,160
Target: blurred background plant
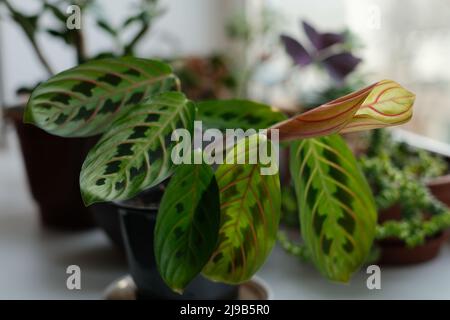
331,53
254,40
141,19
398,175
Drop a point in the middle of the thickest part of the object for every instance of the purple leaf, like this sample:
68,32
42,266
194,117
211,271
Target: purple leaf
322,40
297,52
340,65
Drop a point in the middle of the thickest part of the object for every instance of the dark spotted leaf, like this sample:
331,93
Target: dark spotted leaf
250,212
83,101
244,114
336,206
187,224
135,153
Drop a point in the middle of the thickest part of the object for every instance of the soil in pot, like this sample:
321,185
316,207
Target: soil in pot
53,167
395,252
138,219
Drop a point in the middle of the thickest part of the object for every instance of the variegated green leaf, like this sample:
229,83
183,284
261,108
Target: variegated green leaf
382,104
136,152
336,206
83,101
250,213
243,114
187,224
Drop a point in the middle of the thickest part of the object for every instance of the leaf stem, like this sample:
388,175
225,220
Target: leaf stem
295,249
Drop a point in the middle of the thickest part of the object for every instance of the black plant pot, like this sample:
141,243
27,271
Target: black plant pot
138,224
106,215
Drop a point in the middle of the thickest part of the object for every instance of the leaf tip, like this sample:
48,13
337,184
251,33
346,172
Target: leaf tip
88,198
178,290
28,115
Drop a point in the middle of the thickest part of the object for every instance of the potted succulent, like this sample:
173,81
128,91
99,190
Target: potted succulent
55,188
413,223
218,214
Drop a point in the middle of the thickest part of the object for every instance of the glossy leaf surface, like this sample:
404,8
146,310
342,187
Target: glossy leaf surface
187,224
336,206
243,114
250,213
136,153
83,101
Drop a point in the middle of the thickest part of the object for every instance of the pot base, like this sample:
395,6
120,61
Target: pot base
395,252
125,289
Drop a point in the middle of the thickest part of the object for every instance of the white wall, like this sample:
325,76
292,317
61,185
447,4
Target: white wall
188,27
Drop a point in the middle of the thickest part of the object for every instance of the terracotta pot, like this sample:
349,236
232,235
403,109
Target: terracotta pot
53,167
440,188
395,252
392,213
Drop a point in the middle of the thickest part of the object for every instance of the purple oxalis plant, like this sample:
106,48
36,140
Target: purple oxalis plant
338,64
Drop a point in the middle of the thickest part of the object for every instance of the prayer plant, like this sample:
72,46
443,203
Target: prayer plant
220,220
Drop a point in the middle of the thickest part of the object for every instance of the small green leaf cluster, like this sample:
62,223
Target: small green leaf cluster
397,174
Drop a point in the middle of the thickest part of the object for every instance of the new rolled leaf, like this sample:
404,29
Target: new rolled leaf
136,152
187,224
250,213
336,207
382,104
243,114
83,101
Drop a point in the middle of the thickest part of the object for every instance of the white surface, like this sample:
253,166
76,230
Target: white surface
290,279
33,261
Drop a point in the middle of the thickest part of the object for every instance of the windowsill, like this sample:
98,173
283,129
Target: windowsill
34,261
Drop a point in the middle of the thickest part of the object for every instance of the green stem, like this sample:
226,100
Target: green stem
129,49
295,249
30,37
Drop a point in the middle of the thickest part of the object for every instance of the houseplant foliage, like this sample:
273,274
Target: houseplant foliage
328,50
332,53
227,225
398,176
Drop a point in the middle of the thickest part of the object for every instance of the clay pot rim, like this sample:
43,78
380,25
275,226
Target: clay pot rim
14,113
438,181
